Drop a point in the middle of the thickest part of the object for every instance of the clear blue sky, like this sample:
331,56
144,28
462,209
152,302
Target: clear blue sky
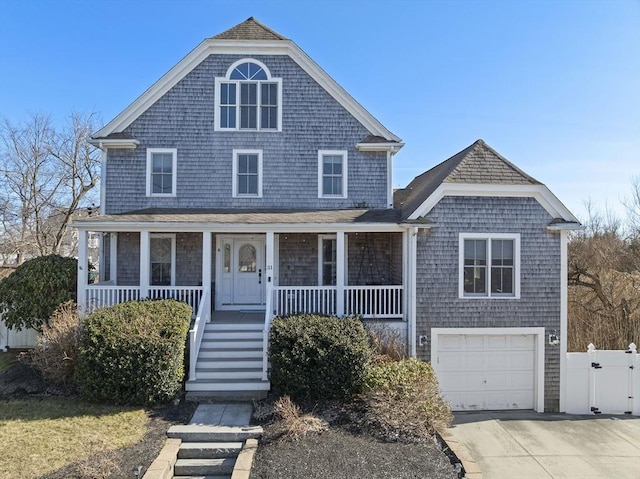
552,85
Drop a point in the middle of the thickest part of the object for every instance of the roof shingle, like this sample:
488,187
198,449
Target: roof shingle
250,29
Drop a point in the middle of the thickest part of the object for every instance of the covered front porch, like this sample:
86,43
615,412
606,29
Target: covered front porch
269,270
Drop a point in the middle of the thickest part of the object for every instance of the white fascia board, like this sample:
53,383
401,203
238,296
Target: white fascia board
247,48
236,227
391,147
105,143
566,227
541,193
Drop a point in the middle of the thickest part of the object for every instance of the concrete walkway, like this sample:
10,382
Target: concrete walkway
231,414
526,444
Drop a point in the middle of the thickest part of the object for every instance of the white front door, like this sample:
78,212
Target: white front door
242,275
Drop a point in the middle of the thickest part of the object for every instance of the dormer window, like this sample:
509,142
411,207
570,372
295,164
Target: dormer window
248,98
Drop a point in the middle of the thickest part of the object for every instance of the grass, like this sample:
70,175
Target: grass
6,359
42,435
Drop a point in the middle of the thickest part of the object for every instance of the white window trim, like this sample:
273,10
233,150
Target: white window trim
345,171
346,248
174,168
172,237
516,264
234,181
227,79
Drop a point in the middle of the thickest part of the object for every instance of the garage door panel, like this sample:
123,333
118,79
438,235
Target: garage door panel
487,371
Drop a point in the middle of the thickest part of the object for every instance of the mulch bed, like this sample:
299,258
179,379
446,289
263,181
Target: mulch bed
350,448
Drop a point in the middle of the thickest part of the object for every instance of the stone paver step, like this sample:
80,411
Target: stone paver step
190,467
209,450
217,476
205,433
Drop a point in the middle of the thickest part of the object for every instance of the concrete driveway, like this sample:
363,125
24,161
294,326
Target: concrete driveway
526,444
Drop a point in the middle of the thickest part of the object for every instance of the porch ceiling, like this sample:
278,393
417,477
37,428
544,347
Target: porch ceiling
384,219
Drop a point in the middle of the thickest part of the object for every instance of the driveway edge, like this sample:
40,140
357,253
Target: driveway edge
471,468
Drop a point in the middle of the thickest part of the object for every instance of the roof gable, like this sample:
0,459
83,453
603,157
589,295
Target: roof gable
476,170
250,29
248,38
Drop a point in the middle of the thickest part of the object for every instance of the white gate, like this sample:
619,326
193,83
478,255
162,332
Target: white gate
603,382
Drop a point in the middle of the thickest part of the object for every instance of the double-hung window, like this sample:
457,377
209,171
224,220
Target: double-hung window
247,173
161,171
327,260
162,258
489,265
332,174
248,98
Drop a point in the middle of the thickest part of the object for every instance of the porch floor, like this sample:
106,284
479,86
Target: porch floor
237,317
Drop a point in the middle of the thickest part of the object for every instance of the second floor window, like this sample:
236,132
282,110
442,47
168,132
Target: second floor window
489,265
332,174
248,98
161,171
247,173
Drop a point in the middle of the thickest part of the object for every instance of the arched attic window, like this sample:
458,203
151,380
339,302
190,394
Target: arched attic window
248,98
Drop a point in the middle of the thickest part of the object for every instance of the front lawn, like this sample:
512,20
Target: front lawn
6,359
40,436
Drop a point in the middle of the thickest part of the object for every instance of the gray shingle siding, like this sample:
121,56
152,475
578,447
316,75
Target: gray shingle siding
437,302
184,119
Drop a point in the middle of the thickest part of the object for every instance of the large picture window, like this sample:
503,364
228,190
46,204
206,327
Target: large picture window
248,98
489,266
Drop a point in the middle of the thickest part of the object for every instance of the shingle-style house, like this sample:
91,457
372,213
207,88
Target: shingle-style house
248,183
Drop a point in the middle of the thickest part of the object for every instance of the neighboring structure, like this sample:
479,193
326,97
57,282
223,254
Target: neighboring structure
247,180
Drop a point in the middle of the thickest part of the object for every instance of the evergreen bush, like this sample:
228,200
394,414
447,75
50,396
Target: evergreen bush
318,357
133,353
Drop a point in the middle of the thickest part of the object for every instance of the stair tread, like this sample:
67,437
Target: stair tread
211,445
206,462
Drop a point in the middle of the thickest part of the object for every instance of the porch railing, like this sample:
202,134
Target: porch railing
304,299
195,333
374,301
100,295
384,301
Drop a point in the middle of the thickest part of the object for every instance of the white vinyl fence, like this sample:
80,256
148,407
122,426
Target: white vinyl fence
603,382
10,338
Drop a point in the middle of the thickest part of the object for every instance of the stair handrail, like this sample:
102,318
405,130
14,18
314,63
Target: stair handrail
196,333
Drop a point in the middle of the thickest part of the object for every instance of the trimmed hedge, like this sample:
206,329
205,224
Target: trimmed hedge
133,353
318,357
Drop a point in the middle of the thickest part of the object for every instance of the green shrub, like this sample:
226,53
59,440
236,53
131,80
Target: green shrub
35,289
403,399
133,353
318,357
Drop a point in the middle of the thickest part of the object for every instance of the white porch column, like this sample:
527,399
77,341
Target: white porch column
145,248
113,258
269,275
340,268
206,270
412,236
83,271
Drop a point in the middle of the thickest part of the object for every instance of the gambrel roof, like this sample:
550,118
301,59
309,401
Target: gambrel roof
478,170
248,38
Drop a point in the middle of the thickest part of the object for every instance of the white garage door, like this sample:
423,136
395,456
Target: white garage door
493,371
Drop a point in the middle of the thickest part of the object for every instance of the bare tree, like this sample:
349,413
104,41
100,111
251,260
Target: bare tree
604,281
48,174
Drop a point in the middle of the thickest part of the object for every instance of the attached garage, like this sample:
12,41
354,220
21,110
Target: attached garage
490,368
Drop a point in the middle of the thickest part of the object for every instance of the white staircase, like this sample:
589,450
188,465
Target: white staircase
229,363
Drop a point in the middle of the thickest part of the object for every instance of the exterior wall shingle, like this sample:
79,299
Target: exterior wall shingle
184,118
437,302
